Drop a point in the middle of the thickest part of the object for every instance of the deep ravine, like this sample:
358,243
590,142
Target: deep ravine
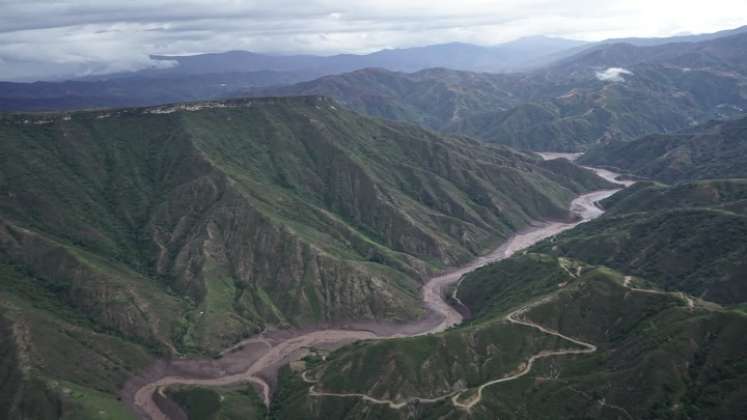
255,360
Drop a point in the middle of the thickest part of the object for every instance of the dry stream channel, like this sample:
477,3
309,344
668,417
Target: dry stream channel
257,359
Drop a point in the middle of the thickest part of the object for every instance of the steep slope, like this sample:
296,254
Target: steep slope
605,105
690,237
136,233
604,94
714,150
522,111
724,194
656,335
650,355
61,362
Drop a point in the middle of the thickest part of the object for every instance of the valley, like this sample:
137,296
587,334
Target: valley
441,317
546,303
469,211
447,339
199,226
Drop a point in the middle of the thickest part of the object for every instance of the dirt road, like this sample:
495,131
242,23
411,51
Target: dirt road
271,352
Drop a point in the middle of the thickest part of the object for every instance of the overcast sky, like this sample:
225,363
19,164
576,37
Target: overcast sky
63,38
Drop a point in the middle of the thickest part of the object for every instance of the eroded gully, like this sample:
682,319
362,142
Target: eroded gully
257,359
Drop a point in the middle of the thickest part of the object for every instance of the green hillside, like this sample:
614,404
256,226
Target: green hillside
656,286
654,357
588,112
714,150
724,194
139,233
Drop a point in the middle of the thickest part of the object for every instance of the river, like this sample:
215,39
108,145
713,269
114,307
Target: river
257,359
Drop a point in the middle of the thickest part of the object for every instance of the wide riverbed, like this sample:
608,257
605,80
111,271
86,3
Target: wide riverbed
256,360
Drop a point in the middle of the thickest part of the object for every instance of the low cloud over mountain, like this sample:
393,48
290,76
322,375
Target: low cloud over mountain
613,74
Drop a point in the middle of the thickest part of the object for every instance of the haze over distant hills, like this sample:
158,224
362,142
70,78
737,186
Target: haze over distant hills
511,56
603,93
519,55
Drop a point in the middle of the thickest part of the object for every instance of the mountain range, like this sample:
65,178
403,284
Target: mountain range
612,93
648,300
514,56
182,229
261,240
510,56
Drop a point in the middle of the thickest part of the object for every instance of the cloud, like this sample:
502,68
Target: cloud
613,74
63,38
63,52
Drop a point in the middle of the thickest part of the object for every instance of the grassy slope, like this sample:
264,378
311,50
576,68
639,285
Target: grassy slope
655,358
130,234
587,112
688,237
221,404
715,150
68,366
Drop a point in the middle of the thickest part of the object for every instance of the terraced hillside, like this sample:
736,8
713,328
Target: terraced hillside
689,237
131,234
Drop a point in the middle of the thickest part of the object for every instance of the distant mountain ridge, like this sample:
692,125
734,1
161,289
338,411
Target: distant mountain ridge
677,38
135,91
656,285
724,53
569,106
510,56
519,55
604,94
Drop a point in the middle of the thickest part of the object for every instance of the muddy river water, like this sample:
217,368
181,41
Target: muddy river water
256,360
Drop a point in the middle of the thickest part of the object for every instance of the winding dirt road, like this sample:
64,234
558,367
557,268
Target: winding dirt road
514,318
690,302
273,352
